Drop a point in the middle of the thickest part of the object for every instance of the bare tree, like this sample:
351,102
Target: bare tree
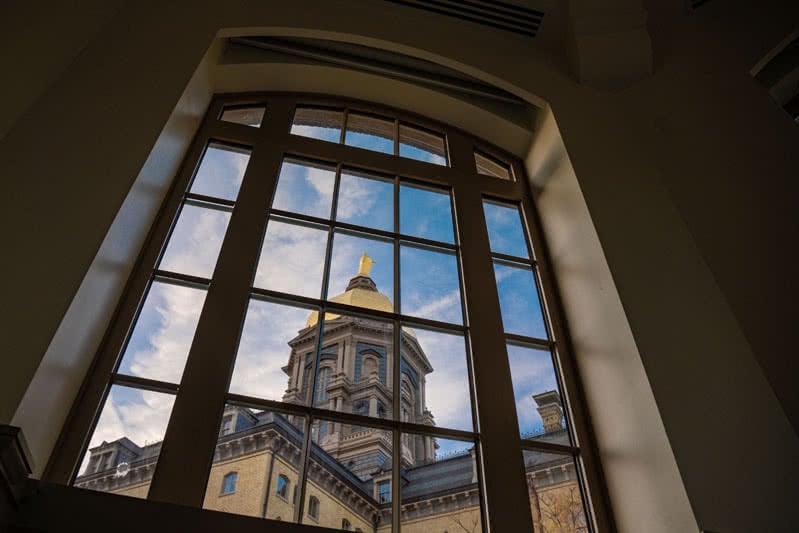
469,524
559,510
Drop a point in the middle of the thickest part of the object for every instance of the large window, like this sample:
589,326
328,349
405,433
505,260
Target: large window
350,297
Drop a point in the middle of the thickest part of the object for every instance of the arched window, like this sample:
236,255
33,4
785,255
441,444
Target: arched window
437,228
229,483
345,525
313,507
282,486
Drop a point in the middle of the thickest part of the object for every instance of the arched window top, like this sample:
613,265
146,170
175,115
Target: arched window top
413,213
313,507
229,483
283,484
345,525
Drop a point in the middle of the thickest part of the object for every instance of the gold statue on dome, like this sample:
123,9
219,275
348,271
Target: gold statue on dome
365,265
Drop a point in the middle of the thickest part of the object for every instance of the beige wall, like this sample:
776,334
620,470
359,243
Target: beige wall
686,179
248,499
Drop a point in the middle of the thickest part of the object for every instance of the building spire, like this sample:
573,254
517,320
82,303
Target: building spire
365,265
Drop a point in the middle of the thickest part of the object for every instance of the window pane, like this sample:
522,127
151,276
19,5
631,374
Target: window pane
126,442
195,241
491,167
505,231
274,335
422,145
354,368
518,300
366,200
539,407
362,272
554,490
160,342
249,115
305,187
318,123
426,213
429,284
344,477
244,453
371,133
292,258
443,469
435,379
221,171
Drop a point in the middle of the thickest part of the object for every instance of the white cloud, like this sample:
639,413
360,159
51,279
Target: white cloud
447,387
292,259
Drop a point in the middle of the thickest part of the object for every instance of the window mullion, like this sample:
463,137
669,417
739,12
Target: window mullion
190,441
504,478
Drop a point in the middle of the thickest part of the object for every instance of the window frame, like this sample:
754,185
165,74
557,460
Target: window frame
230,475
269,143
282,491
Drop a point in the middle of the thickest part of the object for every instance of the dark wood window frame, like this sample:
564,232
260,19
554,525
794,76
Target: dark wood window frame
188,447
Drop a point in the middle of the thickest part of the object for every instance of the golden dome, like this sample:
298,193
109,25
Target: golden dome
357,297
361,292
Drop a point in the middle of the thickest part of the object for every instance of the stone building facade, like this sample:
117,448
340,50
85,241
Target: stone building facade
258,454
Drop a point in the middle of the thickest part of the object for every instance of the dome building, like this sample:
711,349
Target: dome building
355,375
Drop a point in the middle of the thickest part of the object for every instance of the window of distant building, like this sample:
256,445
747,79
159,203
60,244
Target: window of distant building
229,483
313,507
384,491
307,239
282,486
227,425
345,525
322,383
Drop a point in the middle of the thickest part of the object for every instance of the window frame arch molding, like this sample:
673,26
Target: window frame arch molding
303,236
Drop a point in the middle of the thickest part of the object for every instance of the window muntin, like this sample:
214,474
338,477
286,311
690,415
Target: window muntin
401,424
318,123
416,143
292,257
220,171
426,213
370,132
247,114
265,493
556,498
488,166
305,187
455,461
262,349
161,339
132,420
196,239
505,229
366,199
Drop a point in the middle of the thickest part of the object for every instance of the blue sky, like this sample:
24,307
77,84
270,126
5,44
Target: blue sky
292,261
532,373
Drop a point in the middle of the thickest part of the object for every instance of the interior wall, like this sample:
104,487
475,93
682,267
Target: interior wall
632,439
669,254
37,49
